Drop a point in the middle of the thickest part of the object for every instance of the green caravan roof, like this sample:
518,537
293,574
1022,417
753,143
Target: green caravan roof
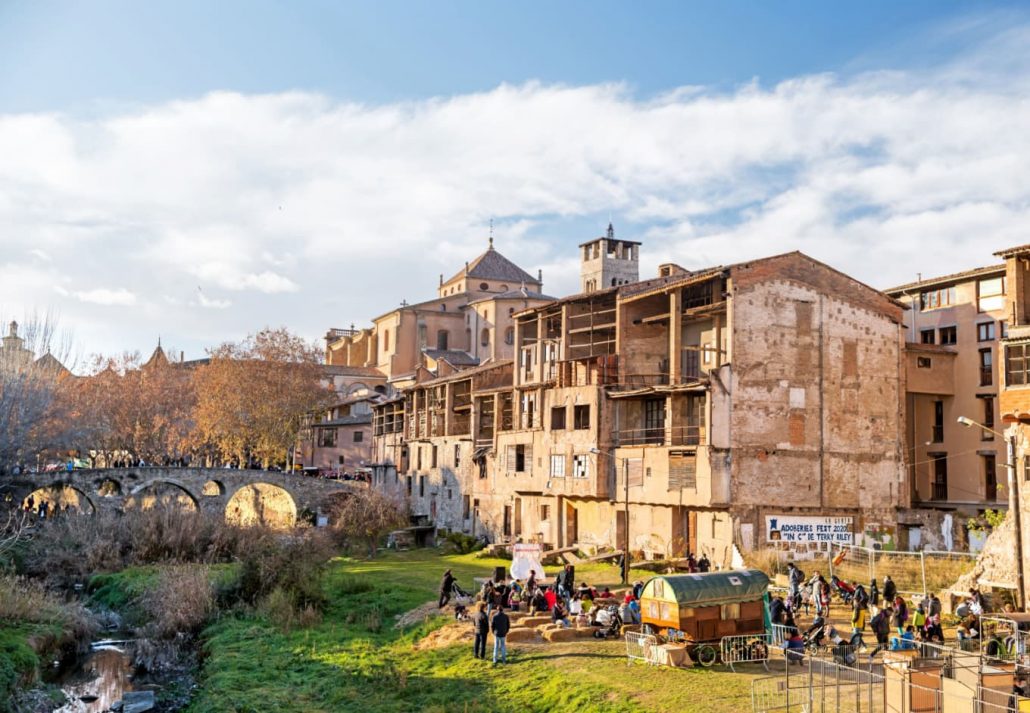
710,588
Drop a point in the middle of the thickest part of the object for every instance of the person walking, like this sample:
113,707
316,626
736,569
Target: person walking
481,623
874,593
500,626
890,590
446,584
881,626
795,578
858,617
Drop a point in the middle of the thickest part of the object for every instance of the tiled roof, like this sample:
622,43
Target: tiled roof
955,277
355,420
1009,252
491,265
515,295
345,370
454,357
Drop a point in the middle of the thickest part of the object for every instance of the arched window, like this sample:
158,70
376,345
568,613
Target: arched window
511,311
509,335
504,288
485,337
614,282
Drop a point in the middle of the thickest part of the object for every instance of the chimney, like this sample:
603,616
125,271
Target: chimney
540,276
182,357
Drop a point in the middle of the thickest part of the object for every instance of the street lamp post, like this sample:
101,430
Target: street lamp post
1010,467
625,532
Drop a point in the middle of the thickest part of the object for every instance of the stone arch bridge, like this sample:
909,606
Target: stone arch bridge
245,496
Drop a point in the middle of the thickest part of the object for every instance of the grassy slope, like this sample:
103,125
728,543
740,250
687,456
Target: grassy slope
347,663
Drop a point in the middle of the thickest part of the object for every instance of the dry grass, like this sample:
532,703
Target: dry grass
182,601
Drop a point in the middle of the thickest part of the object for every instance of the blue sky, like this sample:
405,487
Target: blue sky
88,55
200,170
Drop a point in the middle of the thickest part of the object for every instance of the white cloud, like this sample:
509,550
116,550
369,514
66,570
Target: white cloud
296,201
100,296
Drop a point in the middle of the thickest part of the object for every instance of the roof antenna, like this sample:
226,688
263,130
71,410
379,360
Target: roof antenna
491,233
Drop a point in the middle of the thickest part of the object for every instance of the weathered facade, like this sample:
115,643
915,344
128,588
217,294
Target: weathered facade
708,404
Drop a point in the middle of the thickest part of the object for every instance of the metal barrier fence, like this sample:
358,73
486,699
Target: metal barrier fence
817,686
745,649
914,573
780,634
640,647
941,679
1001,639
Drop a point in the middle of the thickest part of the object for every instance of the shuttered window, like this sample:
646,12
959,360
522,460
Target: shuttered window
635,471
682,470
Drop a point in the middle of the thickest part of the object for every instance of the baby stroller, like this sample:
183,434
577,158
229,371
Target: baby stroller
462,600
609,622
844,590
815,636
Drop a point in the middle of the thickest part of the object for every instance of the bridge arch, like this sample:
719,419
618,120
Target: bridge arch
59,497
109,488
161,492
262,504
213,488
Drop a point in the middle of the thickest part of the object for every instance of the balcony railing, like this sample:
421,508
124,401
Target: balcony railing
662,436
939,491
636,381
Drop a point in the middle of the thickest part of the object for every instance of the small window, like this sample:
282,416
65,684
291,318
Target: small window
341,460
457,454
985,332
986,367
466,507
359,436
581,417
990,294
545,513
949,335
557,466
432,462
924,363
927,336
558,418
1017,364
327,437
484,286
442,339
580,466
484,337
421,486
509,336
386,340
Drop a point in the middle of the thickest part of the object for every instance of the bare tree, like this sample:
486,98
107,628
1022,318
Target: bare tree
366,516
35,391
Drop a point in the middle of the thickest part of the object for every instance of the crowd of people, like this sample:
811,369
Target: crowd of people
891,619
567,603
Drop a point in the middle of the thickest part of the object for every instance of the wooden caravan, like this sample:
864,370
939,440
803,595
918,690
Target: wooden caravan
708,606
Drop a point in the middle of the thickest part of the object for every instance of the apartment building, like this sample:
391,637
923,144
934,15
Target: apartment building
468,323
700,409
953,328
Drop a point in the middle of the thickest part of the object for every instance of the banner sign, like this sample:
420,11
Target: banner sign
797,529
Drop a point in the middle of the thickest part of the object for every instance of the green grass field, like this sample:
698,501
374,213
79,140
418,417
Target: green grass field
355,660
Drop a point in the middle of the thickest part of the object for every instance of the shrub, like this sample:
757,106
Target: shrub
463,544
182,601
280,609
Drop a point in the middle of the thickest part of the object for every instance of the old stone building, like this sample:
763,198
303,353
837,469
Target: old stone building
469,322
701,409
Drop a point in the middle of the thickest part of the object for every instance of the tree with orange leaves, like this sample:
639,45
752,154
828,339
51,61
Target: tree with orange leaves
253,396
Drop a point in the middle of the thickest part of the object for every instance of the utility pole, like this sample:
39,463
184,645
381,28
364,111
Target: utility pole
1010,466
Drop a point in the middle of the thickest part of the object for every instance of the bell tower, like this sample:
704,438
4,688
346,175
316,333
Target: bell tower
608,262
